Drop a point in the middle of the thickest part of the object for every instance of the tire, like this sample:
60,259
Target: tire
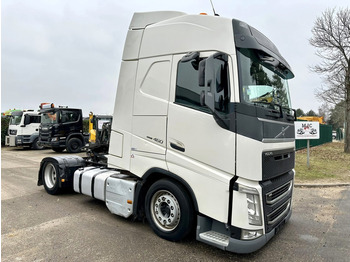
50,178
36,145
58,149
169,210
74,145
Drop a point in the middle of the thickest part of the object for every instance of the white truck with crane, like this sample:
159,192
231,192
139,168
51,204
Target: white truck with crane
192,145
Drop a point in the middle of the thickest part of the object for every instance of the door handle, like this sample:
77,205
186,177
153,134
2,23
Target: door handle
177,147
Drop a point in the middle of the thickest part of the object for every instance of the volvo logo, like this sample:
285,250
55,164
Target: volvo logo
283,132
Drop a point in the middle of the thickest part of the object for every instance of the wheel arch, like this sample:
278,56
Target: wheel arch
66,167
75,135
149,178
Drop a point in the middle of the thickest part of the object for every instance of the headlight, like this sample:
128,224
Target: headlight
54,139
13,132
253,205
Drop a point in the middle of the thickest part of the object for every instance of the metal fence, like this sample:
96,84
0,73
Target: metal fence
325,137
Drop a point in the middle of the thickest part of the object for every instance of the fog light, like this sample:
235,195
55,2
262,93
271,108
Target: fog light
253,205
251,234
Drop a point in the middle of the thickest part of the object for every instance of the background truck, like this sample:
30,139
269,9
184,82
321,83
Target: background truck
24,129
62,128
191,149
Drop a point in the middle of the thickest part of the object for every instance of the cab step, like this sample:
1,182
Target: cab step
215,238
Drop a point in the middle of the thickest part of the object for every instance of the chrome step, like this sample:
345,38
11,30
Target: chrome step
215,237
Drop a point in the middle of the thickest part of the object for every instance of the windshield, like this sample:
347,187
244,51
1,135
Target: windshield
49,118
261,81
15,119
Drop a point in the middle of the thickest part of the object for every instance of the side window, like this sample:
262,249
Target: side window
199,76
35,119
188,91
69,116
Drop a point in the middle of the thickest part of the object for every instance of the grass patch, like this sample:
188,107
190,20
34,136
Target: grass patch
328,164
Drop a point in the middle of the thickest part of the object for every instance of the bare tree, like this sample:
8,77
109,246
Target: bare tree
331,37
324,111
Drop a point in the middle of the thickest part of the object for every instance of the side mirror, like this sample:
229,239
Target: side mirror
213,76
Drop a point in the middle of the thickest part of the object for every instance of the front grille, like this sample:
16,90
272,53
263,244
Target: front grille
279,213
26,139
278,193
44,136
277,196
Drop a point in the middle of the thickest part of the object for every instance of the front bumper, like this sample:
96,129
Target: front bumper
50,144
20,140
221,238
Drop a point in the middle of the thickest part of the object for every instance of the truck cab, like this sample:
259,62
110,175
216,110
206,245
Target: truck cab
189,109
62,128
202,136
24,129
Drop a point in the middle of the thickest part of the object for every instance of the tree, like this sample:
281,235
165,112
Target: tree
324,111
311,113
337,115
300,112
331,38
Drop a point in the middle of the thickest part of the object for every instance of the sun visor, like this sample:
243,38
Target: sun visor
249,37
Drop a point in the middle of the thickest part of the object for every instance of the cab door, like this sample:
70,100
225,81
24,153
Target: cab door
198,148
30,124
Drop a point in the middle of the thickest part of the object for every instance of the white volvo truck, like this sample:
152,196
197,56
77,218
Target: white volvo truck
202,136
24,129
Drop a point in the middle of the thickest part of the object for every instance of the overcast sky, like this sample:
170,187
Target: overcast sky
68,51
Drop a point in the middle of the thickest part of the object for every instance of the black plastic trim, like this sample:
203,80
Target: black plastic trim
176,147
257,123
231,189
276,163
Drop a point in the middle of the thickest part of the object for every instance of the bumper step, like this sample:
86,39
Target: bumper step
215,238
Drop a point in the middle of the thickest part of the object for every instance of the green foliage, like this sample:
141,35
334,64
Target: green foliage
4,129
86,125
300,112
337,116
311,113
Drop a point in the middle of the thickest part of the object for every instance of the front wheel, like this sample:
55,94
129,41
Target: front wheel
169,210
74,145
36,145
50,177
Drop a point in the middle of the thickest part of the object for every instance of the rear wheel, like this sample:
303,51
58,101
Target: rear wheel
50,178
74,145
169,210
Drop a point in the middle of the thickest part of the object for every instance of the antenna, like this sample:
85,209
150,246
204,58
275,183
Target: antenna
213,8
